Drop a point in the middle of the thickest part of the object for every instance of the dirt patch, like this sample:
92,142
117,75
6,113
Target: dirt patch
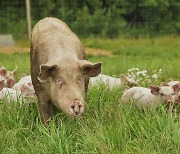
97,52
92,51
10,50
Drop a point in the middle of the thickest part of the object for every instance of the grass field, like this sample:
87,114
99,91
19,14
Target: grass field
108,126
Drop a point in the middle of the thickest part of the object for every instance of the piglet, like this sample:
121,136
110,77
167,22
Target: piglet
8,82
150,98
8,74
112,82
175,84
25,86
11,95
7,77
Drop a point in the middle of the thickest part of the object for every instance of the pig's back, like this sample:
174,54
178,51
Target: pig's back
54,39
141,96
172,83
109,81
46,28
135,92
25,79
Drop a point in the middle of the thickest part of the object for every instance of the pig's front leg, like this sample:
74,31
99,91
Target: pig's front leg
86,83
46,109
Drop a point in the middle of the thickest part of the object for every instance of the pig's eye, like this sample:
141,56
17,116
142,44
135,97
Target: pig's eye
172,94
60,82
29,83
80,79
162,94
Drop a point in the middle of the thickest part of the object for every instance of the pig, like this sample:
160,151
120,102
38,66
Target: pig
14,94
177,89
112,82
8,74
150,98
25,86
60,70
8,77
8,82
11,95
176,84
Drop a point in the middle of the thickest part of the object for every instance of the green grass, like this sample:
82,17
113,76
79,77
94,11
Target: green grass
108,126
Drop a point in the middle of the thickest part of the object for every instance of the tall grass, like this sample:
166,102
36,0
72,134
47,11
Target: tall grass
107,126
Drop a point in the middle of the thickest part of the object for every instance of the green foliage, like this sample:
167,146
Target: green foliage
97,17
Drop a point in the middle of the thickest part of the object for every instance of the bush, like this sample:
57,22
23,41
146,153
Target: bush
97,17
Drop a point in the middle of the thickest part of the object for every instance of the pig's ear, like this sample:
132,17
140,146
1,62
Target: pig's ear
90,69
1,85
133,77
15,70
123,78
3,71
154,90
176,88
132,81
46,70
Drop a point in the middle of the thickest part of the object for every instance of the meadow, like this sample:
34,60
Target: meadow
108,126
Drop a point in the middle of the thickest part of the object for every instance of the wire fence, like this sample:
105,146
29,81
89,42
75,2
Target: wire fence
13,18
95,17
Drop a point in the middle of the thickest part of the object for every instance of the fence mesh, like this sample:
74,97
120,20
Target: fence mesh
95,17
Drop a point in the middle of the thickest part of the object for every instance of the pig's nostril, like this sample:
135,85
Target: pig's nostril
73,107
169,102
79,106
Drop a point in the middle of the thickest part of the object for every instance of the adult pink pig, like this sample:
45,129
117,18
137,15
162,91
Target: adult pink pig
59,69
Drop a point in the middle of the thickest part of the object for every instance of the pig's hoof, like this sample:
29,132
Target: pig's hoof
76,108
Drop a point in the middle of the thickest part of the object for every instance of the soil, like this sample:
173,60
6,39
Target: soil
92,51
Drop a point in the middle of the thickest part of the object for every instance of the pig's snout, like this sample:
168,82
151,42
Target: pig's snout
170,102
169,99
76,108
